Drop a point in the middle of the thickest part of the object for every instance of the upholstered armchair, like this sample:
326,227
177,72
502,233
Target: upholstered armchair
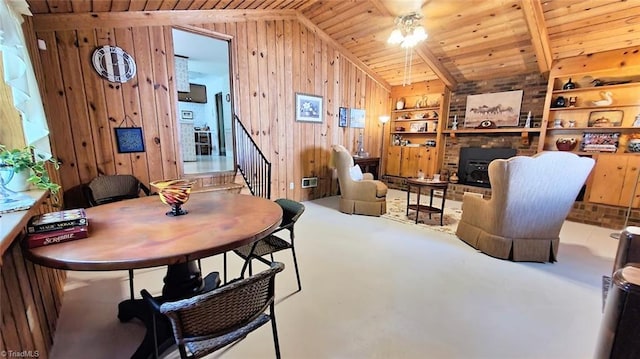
359,192
530,199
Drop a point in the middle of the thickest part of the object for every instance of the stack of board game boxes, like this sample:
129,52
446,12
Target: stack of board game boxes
57,227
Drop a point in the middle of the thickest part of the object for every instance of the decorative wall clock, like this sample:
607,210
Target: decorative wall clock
113,63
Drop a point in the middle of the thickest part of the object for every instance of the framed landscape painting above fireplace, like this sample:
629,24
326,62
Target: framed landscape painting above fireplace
503,108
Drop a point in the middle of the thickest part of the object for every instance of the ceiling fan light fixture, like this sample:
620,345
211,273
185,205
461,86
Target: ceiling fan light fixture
419,33
408,33
396,37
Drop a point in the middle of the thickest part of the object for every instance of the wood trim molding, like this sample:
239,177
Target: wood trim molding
534,16
87,21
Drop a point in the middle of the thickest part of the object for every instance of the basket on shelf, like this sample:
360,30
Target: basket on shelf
566,143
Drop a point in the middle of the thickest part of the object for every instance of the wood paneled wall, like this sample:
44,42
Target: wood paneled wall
30,300
273,60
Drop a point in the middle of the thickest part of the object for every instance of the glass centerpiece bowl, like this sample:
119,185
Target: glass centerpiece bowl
174,193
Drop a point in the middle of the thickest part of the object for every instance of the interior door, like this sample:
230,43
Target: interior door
221,138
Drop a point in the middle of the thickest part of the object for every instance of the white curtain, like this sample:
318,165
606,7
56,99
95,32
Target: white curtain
19,75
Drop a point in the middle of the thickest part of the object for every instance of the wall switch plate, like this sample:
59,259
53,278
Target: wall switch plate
308,182
291,185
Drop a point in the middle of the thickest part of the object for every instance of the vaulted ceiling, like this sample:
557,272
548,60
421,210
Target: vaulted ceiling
469,40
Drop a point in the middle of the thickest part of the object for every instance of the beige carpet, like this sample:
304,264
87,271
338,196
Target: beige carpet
397,209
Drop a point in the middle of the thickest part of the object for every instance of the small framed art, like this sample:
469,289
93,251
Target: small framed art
308,108
186,115
342,117
129,139
357,118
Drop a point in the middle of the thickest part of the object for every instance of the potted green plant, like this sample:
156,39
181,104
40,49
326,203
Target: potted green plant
24,160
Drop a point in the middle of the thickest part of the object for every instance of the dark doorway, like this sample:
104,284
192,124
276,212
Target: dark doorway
222,148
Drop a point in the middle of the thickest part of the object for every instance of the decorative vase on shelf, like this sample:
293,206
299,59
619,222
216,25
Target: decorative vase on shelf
634,145
400,104
560,102
569,85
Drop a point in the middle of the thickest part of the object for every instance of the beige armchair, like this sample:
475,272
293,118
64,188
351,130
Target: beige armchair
359,192
530,199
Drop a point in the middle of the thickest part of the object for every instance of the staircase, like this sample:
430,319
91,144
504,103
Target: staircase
252,163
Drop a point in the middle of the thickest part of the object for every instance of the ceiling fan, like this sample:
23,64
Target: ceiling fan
408,30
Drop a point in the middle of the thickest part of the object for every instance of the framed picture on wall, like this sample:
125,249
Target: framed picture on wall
186,115
308,108
501,108
342,117
357,118
129,139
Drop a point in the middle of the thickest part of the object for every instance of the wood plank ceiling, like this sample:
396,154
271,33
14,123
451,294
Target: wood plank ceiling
469,40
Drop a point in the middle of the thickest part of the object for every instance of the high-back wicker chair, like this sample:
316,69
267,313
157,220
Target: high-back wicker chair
207,322
114,188
291,212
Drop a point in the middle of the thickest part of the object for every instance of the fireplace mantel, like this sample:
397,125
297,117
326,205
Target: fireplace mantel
524,132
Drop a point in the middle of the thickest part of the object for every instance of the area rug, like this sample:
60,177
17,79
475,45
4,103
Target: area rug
397,209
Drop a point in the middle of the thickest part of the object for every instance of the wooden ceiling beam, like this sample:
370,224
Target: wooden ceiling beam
86,21
534,15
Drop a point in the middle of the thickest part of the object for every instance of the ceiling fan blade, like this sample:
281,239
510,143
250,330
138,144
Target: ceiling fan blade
403,7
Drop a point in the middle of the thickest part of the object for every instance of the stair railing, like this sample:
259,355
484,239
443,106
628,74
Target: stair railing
252,163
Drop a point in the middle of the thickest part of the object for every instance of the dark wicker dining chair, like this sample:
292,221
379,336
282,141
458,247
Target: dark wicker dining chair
210,321
291,212
114,188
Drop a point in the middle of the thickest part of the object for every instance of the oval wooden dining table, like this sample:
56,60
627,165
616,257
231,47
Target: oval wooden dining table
137,233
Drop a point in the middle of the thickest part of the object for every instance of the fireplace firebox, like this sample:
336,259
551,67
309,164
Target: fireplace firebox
474,162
